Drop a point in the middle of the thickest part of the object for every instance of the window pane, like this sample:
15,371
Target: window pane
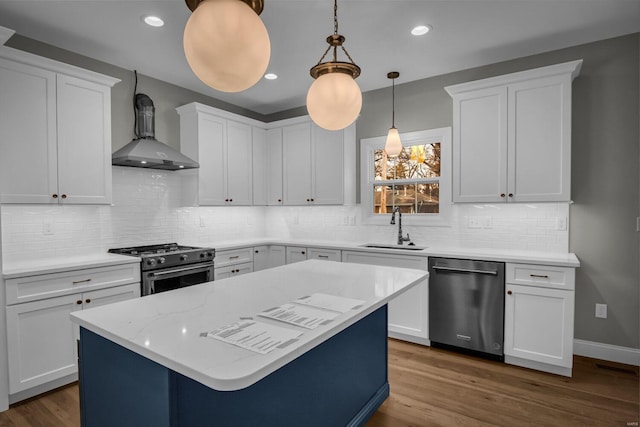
411,198
382,199
414,162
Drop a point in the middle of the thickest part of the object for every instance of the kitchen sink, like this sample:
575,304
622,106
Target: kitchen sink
385,246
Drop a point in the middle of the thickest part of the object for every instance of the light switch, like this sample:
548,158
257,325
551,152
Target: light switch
601,311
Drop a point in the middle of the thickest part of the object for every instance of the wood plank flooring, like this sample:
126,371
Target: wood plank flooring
435,387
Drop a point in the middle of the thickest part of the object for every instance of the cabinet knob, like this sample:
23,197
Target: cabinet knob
509,292
279,200
257,252
64,196
302,252
88,300
231,200
226,200
510,194
308,200
79,302
502,194
55,196
312,200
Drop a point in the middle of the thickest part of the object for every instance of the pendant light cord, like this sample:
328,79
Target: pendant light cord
393,103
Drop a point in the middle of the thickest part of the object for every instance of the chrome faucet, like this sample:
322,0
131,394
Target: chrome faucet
393,221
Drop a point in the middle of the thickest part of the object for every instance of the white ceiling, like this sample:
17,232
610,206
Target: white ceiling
466,33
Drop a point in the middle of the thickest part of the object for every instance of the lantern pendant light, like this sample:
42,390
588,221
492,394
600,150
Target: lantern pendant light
226,43
393,146
334,99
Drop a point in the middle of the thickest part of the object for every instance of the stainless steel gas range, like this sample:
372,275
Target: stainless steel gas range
169,266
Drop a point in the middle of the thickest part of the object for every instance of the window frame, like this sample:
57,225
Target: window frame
367,181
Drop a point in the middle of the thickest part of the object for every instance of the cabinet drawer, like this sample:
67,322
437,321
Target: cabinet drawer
233,256
232,270
325,254
541,276
31,288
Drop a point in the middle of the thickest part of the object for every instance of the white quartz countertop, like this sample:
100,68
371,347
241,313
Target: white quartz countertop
559,259
167,327
55,265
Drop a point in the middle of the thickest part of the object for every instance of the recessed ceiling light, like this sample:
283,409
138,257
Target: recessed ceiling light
270,76
153,21
421,30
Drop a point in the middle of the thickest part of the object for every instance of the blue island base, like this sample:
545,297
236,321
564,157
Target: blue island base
341,382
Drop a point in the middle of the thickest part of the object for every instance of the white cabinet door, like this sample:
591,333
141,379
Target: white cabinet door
408,312
327,167
232,270
277,255
41,341
296,254
239,164
260,258
296,147
260,167
274,167
480,146
211,150
28,148
84,141
538,324
110,295
540,140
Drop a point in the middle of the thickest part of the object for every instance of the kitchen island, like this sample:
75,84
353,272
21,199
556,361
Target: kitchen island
162,360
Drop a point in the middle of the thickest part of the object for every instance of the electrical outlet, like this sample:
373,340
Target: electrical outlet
601,311
487,222
47,227
473,222
561,224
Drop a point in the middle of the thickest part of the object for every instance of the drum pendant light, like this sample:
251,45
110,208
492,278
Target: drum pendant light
226,43
393,146
334,99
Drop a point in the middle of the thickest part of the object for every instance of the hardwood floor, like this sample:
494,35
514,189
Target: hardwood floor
434,387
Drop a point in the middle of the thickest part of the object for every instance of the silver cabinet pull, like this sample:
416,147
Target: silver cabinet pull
464,270
75,282
323,256
234,257
539,276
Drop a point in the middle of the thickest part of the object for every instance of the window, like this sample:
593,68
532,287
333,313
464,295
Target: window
417,181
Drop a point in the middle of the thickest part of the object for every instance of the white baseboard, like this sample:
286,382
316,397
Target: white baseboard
612,353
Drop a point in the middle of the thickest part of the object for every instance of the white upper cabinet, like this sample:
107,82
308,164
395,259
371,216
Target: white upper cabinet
274,167
313,165
224,149
260,167
512,136
55,127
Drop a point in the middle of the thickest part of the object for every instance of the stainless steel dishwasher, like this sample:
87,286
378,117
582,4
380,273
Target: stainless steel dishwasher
466,305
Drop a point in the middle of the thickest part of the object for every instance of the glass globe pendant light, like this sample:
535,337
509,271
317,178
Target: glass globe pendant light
334,99
226,43
393,146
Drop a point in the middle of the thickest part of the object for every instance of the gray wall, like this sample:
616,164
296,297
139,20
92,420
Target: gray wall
605,164
605,156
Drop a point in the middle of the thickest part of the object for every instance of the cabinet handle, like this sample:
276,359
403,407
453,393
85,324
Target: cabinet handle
234,257
509,292
79,302
257,252
88,300
502,195
302,252
312,200
510,194
75,282
55,196
539,276
64,196
279,200
308,200
323,256
231,200
226,200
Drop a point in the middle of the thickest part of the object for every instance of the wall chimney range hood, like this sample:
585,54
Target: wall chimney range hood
145,151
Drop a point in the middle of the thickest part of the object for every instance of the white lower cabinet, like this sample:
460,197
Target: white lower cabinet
41,339
277,256
233,262
408,312
538,317
296,254
232,270
324,254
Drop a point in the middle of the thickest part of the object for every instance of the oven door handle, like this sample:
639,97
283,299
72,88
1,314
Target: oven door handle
180,270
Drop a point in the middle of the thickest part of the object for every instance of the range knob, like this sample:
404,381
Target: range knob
210,254
203,254
162,260
151,261
183,257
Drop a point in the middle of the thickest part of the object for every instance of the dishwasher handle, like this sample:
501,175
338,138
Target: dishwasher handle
465,270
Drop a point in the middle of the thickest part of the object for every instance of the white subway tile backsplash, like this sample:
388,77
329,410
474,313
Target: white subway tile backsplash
147,209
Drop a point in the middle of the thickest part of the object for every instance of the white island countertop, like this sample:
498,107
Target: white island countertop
168,327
